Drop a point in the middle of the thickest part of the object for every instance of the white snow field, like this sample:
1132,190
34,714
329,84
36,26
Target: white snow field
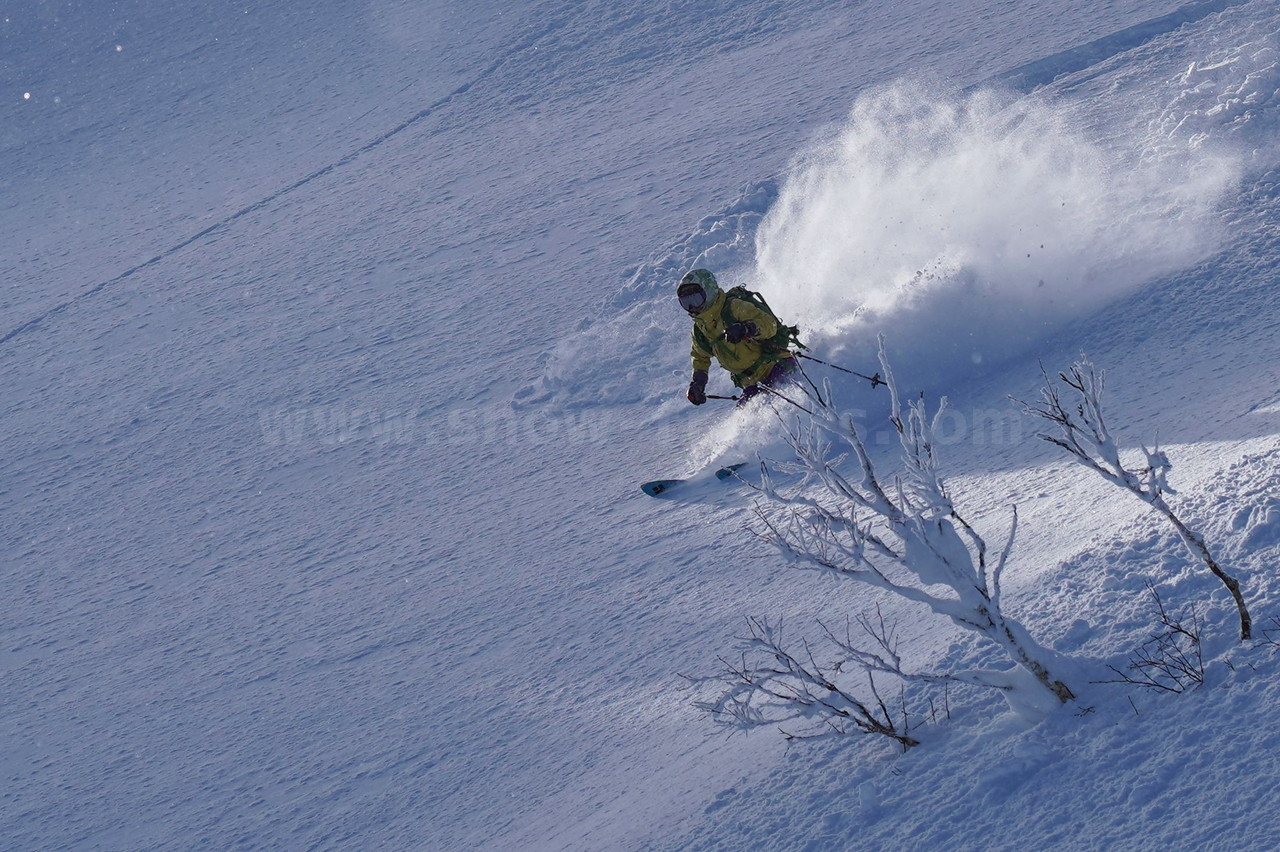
337,339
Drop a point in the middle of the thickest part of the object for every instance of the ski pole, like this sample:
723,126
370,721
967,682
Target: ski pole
717,396
875,380
787,399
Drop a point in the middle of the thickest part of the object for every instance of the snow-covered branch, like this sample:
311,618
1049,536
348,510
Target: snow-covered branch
904,536
885,659
1080,428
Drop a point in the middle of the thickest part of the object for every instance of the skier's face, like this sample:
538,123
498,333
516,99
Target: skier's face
693,301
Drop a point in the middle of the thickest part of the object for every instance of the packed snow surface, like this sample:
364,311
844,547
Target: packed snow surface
339,338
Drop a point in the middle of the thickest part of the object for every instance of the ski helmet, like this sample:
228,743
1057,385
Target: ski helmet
695,282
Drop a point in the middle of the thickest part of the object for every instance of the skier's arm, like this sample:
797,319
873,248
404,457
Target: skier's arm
766,325
701,357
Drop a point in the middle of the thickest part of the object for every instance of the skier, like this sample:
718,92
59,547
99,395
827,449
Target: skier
739,330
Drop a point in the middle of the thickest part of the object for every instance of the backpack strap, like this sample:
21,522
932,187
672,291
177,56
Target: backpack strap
702,340
726,310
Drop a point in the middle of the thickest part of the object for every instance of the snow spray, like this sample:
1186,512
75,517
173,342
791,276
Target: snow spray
967,228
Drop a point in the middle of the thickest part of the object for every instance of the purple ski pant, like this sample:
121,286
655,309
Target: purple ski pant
784,371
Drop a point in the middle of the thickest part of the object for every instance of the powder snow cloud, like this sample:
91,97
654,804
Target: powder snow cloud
968,227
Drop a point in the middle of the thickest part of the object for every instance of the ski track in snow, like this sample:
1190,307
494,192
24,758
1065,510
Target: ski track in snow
290,569
445,102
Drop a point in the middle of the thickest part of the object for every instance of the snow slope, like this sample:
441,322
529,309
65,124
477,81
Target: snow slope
337,340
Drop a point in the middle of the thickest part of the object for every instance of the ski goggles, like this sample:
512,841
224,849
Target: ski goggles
693,301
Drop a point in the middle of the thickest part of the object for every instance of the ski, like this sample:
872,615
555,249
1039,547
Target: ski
662,486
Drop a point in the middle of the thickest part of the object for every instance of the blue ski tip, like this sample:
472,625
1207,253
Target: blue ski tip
653,489
661,486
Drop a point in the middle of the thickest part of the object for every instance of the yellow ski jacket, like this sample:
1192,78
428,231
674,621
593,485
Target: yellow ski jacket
746,361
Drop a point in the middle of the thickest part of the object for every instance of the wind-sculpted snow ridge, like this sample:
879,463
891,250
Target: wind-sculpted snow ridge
1045,71
1247,502
638,349
1229,95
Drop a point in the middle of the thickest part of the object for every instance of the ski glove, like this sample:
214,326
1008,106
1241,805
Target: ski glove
740,331
698,387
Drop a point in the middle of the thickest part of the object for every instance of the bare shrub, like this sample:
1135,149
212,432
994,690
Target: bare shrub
773,683
1171,660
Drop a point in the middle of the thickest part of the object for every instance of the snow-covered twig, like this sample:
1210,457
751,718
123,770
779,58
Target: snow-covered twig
1081,430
